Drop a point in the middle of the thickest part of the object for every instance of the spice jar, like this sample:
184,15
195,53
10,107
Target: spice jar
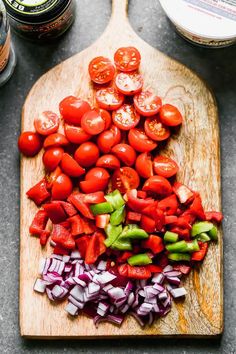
40,19
7,55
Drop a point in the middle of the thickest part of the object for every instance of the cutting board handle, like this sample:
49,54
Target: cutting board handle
119,10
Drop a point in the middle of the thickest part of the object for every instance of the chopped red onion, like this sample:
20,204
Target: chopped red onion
56,256
158,278
116,293
138,319
93,288
102,265
168,268
158,287
40,286
131,299
178,292
79,282
66,258
75,255
106,277
57,291
78,293
49,294
174,280
42,264
163,296
75,302
173,273
71,309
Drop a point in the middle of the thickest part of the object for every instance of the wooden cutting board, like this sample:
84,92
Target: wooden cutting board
195,147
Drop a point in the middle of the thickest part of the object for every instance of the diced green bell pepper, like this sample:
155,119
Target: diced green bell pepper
180,246
200,227
101,208
115,199
133,234
213,233
139,260
112,233
179,257
192,246
171,237
118,216
122,245
203,237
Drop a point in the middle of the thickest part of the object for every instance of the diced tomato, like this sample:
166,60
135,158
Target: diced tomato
169,205
39,223
148,224
183,192
44,235
102,220
123,269
61,250
154,243
55,212
156,214
77,199
182,222
170,219
94,198
200,255
95,248
139,272
68,208
82,244
141,194
39,192
62,236
76,225
133,216
214,216
196,207
154,268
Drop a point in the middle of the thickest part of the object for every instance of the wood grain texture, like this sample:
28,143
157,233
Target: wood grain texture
195,147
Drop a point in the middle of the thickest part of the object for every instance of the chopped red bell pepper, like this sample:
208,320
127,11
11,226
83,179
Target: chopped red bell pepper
133,216
189,217
214,216
61,250
170,219
77,199
183,268
39,192
183,233
66,224
153,212
148,224
154,268
39,223
76,223
124,256
169,205
139,272
183,192
88,226
44,235
137,204
200,255
68,208
55,212
102,220
82,244
95,248
154,243
94,198
123,269
62,236
142,194
196,207
182,222
162,260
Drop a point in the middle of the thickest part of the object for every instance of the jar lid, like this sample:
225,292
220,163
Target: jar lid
35,11
204,18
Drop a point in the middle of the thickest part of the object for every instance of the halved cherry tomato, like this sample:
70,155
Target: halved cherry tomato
106,116
165,166
144,165
170,115
101,70
62,187
87,154
52,157
71,167
97,173
125,117
155,129
94,198
29,143
107,139
129,83
127,59
147,103
92,123
124,179
76,135
158,185
125,153
55,140
108,161
47,123
109,98
73,108
92,186
140,141
52,176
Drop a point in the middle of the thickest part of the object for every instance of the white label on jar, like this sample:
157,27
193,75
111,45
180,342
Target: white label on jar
32,2
31,6
224,8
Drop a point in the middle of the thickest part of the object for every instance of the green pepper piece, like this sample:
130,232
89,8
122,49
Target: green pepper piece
122,245
203,237
139,260
112,233
171,237
180,246
133,226
179,257
200,227
213,233
101,208
134,234
192,246
115,199
118,216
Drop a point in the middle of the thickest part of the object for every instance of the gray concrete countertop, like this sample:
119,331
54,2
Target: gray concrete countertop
217,67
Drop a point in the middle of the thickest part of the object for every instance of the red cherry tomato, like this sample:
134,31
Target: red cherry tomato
101,70
155,129
55,140
125,153
124,179
76,135
29,143
125,117
140,141
73,108
107,139
62,187
47,123
106,116
147,103
165,166
127,59
129,83
158,185
97,173
87,154
108,161
52,176
109,98
71,167
170,115
52,157
144,165
92,186
92,123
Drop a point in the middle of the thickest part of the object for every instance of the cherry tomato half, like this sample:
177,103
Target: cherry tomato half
62,187
124,179
92,186
125,117
29,143
109,98
129,83
144,165
125,153
147,103
55,140
47,123
170,115
87,154
155,129
107,139
97,173
76,135
71,167
73,108
108,161
106,116
101,70
158,185
127,59
52,176
165,166
140,141
92,123
52,157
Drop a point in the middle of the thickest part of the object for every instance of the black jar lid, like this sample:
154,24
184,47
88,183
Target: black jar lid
42,11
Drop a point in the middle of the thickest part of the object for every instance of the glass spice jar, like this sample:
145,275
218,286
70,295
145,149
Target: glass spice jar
40,19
